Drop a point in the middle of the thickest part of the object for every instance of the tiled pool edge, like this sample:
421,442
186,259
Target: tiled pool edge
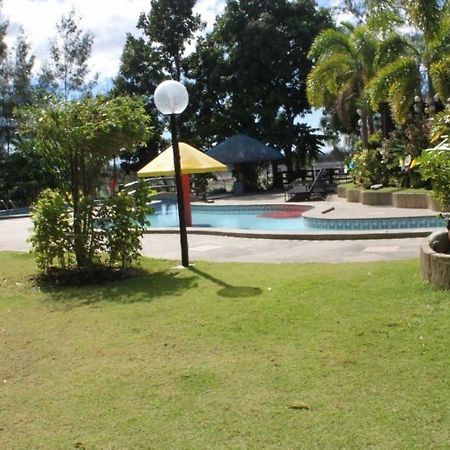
14,216
374,224
303,236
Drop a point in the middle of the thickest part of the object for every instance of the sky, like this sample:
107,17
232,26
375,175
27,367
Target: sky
109,20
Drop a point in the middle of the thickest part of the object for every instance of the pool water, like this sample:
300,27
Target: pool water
277,218
260,217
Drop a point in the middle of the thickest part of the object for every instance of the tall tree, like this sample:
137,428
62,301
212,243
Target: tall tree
3,78
3,30
20,174
15,87
66,73
76,140
249,75
158,53
421,66
345,63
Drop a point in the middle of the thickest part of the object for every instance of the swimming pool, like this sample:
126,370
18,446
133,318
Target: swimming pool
278,218
6,213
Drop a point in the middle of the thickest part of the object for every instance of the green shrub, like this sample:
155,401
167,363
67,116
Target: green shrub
75,141
405,143
115,230
51,238
367,168
435,164
123,219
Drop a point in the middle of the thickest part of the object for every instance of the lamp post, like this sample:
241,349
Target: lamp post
171,99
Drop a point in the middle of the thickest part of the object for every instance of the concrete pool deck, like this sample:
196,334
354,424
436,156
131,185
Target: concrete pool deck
14,234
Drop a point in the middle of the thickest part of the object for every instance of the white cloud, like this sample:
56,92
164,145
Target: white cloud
109,20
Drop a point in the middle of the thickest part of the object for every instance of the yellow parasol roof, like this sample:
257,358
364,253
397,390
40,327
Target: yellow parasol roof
191,159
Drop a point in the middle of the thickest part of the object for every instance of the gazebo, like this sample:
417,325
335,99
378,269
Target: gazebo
191,161
241,151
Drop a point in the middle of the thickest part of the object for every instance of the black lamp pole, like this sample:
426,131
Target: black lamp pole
180,193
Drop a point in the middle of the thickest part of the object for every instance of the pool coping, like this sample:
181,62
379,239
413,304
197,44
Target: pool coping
14,216
305,236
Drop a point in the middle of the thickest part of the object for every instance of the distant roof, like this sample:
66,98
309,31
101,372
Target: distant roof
241,148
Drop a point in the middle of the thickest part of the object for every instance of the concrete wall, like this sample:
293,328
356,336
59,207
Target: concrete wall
435,266
353,195
376,198
398,199
341,190
405,200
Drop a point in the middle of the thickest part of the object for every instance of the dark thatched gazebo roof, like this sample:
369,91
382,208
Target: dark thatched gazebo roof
241,148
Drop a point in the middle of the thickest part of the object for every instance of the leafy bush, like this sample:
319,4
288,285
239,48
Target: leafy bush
440,125
366,168
435,164
374,142
394,161
401,153
116,229
122,219
51,238
75,141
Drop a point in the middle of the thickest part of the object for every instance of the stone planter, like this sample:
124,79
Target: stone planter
435,205
435,259
353,195
341,190
376,198
405,200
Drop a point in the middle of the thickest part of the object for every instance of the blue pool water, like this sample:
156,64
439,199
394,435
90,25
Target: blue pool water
277,218
14,212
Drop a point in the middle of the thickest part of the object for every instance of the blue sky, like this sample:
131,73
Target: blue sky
109,20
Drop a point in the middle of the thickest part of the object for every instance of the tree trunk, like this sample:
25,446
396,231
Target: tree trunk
289,165
177,67
364,130
370,123
78,237
387,124
277,179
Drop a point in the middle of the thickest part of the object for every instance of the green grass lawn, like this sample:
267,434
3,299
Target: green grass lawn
213,357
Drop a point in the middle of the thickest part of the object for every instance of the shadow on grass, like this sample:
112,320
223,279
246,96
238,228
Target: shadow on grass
228,290
145,287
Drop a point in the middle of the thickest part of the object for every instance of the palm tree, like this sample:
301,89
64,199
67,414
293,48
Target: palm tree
410,66
344,65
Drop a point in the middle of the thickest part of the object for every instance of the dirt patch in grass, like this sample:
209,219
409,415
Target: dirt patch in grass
57,277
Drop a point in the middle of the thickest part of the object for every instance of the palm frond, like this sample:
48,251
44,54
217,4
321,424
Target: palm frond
329,42
440,76
390,49
345,105
364,44
347,26
403,90
440,44
325,80
392,74
383,16
426,14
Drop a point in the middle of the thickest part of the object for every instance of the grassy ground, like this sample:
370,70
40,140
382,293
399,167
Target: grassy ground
214,357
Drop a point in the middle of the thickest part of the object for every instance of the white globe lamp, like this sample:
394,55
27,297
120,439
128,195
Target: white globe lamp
171,97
